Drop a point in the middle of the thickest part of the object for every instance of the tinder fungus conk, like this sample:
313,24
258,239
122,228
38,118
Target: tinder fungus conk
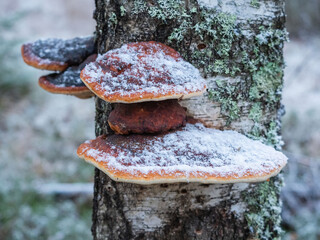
57,54
193,153
68,82
143,71
147,117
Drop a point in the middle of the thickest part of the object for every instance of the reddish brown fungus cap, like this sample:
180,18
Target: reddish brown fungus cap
68,82
147,117
57,54
191,154
143,71
51,84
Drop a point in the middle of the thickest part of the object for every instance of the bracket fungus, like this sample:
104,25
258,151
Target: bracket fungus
154,142
67,82
147,117
57,54
159,149
143,71
68,57
193,153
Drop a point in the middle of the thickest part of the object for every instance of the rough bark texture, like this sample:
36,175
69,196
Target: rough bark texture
238,47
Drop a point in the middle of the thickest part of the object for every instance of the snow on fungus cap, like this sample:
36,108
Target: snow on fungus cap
68,82
57,54
142,71
193,153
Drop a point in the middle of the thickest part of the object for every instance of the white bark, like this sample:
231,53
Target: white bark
189,211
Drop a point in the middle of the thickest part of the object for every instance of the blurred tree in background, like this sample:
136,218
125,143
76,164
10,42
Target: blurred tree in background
14,77
303,17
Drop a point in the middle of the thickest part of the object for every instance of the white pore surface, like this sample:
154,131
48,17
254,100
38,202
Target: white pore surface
194,149
154,72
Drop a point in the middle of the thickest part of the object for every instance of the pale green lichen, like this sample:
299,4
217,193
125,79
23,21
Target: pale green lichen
266,66
267,83
255,3
224,94
122,11
139,6
272,135
264,210
163,10
168,10
113,18
265,63
256,112
216,29
179,33
268,134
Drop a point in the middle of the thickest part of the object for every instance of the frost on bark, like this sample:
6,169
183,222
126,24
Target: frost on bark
237,45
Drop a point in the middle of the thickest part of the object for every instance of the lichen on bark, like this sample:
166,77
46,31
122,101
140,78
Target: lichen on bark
237,45
263,215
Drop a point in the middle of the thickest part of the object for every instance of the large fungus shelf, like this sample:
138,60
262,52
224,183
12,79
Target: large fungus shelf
144,71
192,154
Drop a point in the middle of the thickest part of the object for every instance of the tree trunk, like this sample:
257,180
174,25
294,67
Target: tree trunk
237,45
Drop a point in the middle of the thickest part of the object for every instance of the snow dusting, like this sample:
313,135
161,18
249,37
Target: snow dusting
193,149
208,3
137,68
68,78
72,51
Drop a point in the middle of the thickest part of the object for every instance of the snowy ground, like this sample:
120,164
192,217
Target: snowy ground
40,133
301,96
39,138
301,134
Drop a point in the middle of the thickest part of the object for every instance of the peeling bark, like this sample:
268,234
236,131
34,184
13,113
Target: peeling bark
199,211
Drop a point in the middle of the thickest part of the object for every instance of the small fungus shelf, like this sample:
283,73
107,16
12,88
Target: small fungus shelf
193,153
68,82
57,54
68,57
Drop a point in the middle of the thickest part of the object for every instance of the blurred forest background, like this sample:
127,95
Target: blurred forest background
46,191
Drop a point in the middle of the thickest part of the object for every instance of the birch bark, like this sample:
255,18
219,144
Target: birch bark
237,45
